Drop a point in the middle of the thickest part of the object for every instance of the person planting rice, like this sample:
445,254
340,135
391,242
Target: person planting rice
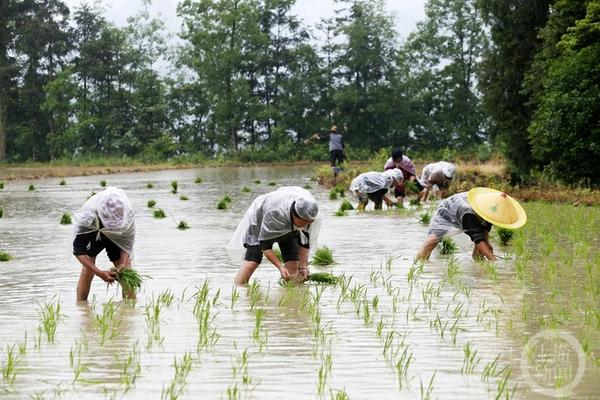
409,172
105,221
374,186
336,148
436,177
287,217
474,212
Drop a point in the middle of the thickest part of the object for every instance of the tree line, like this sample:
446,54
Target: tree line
250,80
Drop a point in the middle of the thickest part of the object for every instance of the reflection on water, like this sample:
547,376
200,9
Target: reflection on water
270,341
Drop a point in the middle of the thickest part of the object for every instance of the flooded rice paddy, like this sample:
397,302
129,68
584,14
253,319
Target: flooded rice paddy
526,327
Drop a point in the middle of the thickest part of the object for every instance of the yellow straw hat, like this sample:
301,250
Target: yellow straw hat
497,207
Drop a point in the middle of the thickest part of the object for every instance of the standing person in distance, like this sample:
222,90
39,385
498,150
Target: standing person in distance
336,149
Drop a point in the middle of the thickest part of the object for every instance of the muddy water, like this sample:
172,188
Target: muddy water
430,317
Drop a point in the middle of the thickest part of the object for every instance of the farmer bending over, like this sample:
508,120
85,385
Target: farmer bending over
409,172
474,213
436,177
286,217
105,221
374,186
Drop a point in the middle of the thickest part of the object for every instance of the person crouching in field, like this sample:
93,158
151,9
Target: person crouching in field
409,172
474,212
105,221
436,177
286,217
374,186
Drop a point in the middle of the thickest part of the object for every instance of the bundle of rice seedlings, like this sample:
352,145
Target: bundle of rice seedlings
1,185
151,203
341,190
129,279
4,256
448,246
272,183
149,185
346,205
307,187
414,202
103,183
159,213
184,197
257,181
340,213
505,235
198,180
227,198
62,182
31,188
410,185
246,189
425,218
323,256
323,277
65,219
183,225
174,185
333,194
1,212
222,204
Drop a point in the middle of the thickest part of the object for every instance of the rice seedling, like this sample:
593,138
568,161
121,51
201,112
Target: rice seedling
1,185
323,373
107,325
246,189
5,256
257,181
346,205
235,295
174,187
424,218
505,235
129,368
198,180
412,186
159,213
470,360
183,197
323,277
323,256
10,365
453,272
489,371
103,183
177,386
341,190
65,219
448,246
402,366
130,280
224,202
307,187
333,194
272,183
152,311
166,297
341,213
151,203
183,225
338,394
75,362
426,393
31,188
149,185
1,212
50,316
62,182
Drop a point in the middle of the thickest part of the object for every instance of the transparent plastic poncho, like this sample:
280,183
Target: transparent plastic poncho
444,167
449,215
113,208
269,217
370,182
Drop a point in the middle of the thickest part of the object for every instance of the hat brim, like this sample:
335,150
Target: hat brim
521,215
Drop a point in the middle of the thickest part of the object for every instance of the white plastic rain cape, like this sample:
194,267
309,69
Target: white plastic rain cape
113,208
446,168
269,217
449,215
370,182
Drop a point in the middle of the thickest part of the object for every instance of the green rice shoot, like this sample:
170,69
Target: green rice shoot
183,225
65,219
341,213
448,246
425,218
505,235
346,205
149,185
159,213
246,189
227,198
62,182
333,194
277,252
323,277
151,203
103,183
174,186
222,205
1,212
410,185
307,187
184,197
1,185
129,279
5,256
323,256
257,181
272,183
198,180
31,188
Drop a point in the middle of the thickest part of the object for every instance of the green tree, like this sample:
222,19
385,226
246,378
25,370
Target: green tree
514,27
565,131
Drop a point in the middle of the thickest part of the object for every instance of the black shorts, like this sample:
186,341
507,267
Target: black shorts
86,244
375,197
288,244
336,156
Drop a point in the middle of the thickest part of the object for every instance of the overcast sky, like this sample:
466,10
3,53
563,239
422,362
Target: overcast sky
407,12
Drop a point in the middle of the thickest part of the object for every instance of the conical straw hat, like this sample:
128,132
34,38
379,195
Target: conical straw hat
497,207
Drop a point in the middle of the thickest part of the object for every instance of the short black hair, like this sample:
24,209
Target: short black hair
397,153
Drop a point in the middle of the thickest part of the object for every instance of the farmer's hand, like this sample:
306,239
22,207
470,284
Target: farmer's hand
304,273
284,273
107,276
